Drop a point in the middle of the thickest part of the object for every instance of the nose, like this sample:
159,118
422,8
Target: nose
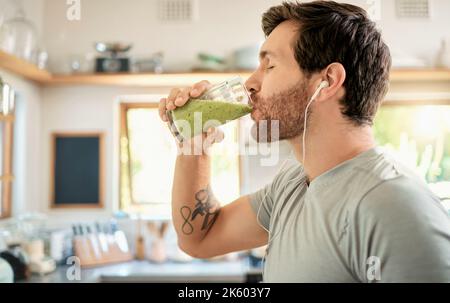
252,84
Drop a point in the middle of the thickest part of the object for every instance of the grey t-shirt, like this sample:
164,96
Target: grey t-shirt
369,219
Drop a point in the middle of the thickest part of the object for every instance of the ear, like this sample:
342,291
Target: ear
335,75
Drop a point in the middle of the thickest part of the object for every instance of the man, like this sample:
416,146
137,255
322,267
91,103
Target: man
348,212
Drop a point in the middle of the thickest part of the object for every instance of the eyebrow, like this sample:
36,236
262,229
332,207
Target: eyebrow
265,53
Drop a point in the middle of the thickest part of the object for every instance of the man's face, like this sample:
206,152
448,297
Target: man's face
278,87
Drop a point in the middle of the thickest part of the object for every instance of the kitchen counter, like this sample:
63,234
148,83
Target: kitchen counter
145,271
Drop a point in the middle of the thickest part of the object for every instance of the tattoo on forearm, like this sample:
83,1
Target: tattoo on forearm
206,207
187,227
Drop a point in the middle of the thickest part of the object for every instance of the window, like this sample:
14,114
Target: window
420,135
147,162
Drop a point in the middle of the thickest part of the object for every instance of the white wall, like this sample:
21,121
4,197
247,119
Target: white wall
222,26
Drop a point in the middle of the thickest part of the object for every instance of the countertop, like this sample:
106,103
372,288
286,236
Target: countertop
145,271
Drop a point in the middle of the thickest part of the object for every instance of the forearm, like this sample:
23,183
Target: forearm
194,207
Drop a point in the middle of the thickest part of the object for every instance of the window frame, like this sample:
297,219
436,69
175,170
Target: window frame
6,174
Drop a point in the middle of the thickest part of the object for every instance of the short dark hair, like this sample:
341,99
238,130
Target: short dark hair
335,32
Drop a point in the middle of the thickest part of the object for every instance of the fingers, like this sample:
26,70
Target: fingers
199,88
170,103
178,97
183,97
162,109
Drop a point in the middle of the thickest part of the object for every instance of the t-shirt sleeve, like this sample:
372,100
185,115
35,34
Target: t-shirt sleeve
403,235
262,204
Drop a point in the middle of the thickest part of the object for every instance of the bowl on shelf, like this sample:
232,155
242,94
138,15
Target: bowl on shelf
112,48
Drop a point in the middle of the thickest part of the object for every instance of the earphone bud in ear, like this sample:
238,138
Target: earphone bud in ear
322,85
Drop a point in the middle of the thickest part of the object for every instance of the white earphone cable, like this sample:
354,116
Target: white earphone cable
322,85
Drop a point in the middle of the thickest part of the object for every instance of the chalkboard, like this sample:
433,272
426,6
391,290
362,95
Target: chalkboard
77,170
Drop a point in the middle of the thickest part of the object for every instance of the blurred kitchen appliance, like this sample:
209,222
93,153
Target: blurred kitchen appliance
6,272
113,59
18,260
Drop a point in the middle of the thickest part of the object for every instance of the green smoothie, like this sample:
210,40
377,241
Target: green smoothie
192,118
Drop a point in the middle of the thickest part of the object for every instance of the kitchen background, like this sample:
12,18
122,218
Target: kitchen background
176,43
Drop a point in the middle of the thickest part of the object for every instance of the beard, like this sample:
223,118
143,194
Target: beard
280,116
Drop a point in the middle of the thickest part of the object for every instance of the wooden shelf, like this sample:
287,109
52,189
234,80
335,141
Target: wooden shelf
142,80
23,68
31,72
182,79
420,75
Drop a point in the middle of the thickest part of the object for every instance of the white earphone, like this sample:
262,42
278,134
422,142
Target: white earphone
322,85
